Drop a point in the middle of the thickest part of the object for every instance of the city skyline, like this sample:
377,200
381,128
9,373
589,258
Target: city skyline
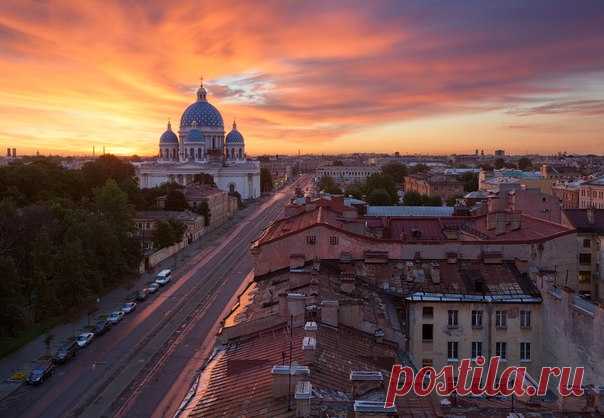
323,78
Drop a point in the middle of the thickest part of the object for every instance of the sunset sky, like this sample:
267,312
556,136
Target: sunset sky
319,76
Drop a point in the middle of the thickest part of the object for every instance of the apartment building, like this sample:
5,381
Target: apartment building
348,174
441,186
464,309
591,194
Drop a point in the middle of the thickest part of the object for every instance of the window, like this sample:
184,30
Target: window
586,243
476,319
525,319
584,276
525,351
501,319
334,240
311,239
453,319
584,258
501,350
476,349
428,312
452,350
427,332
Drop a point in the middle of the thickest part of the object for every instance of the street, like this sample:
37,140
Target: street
145,365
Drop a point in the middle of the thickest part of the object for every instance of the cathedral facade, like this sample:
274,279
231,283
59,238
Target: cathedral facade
201,147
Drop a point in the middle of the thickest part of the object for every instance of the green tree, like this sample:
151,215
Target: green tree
396,171
176,200
379,197
524,163
266,180
355,190
419,168
204,209
470,181
412,199
167,233
384,182
328,185
452,200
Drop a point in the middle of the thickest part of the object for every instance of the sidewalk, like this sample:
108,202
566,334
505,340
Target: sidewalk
22,360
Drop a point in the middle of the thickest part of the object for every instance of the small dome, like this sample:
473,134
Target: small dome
194,135
168,137
234,137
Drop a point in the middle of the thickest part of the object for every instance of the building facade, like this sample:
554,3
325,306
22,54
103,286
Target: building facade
591,194
441,186
200,146
348,174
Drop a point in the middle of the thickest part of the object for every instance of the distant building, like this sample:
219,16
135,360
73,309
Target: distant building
568,193
591,194
431,185
499,153
146,223
347,174
280,168
221,205
201,146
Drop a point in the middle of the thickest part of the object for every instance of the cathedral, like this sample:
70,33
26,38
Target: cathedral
201,147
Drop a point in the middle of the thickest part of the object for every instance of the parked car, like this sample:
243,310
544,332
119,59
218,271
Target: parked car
41,372
153,287
141,295
129,307
65,352
84,339
115,317
163,277
102,327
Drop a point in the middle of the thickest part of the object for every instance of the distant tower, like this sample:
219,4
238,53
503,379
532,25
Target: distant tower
476,152
8,152
93,151
37,153
482,153
14,152
103,149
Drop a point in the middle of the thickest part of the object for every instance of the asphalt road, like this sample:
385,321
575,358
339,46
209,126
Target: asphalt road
146,364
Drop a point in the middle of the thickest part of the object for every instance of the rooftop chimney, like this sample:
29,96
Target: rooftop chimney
309,348
302,396
364,381
295,306
280,374
310,329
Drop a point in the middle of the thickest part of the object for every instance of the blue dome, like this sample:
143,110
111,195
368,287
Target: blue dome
234,137
168,137
194,135
202,114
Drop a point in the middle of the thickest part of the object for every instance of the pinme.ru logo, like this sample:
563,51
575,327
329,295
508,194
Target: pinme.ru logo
471,380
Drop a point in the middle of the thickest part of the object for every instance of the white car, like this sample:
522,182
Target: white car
153,287
163,277
128,307
116,317
84,339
